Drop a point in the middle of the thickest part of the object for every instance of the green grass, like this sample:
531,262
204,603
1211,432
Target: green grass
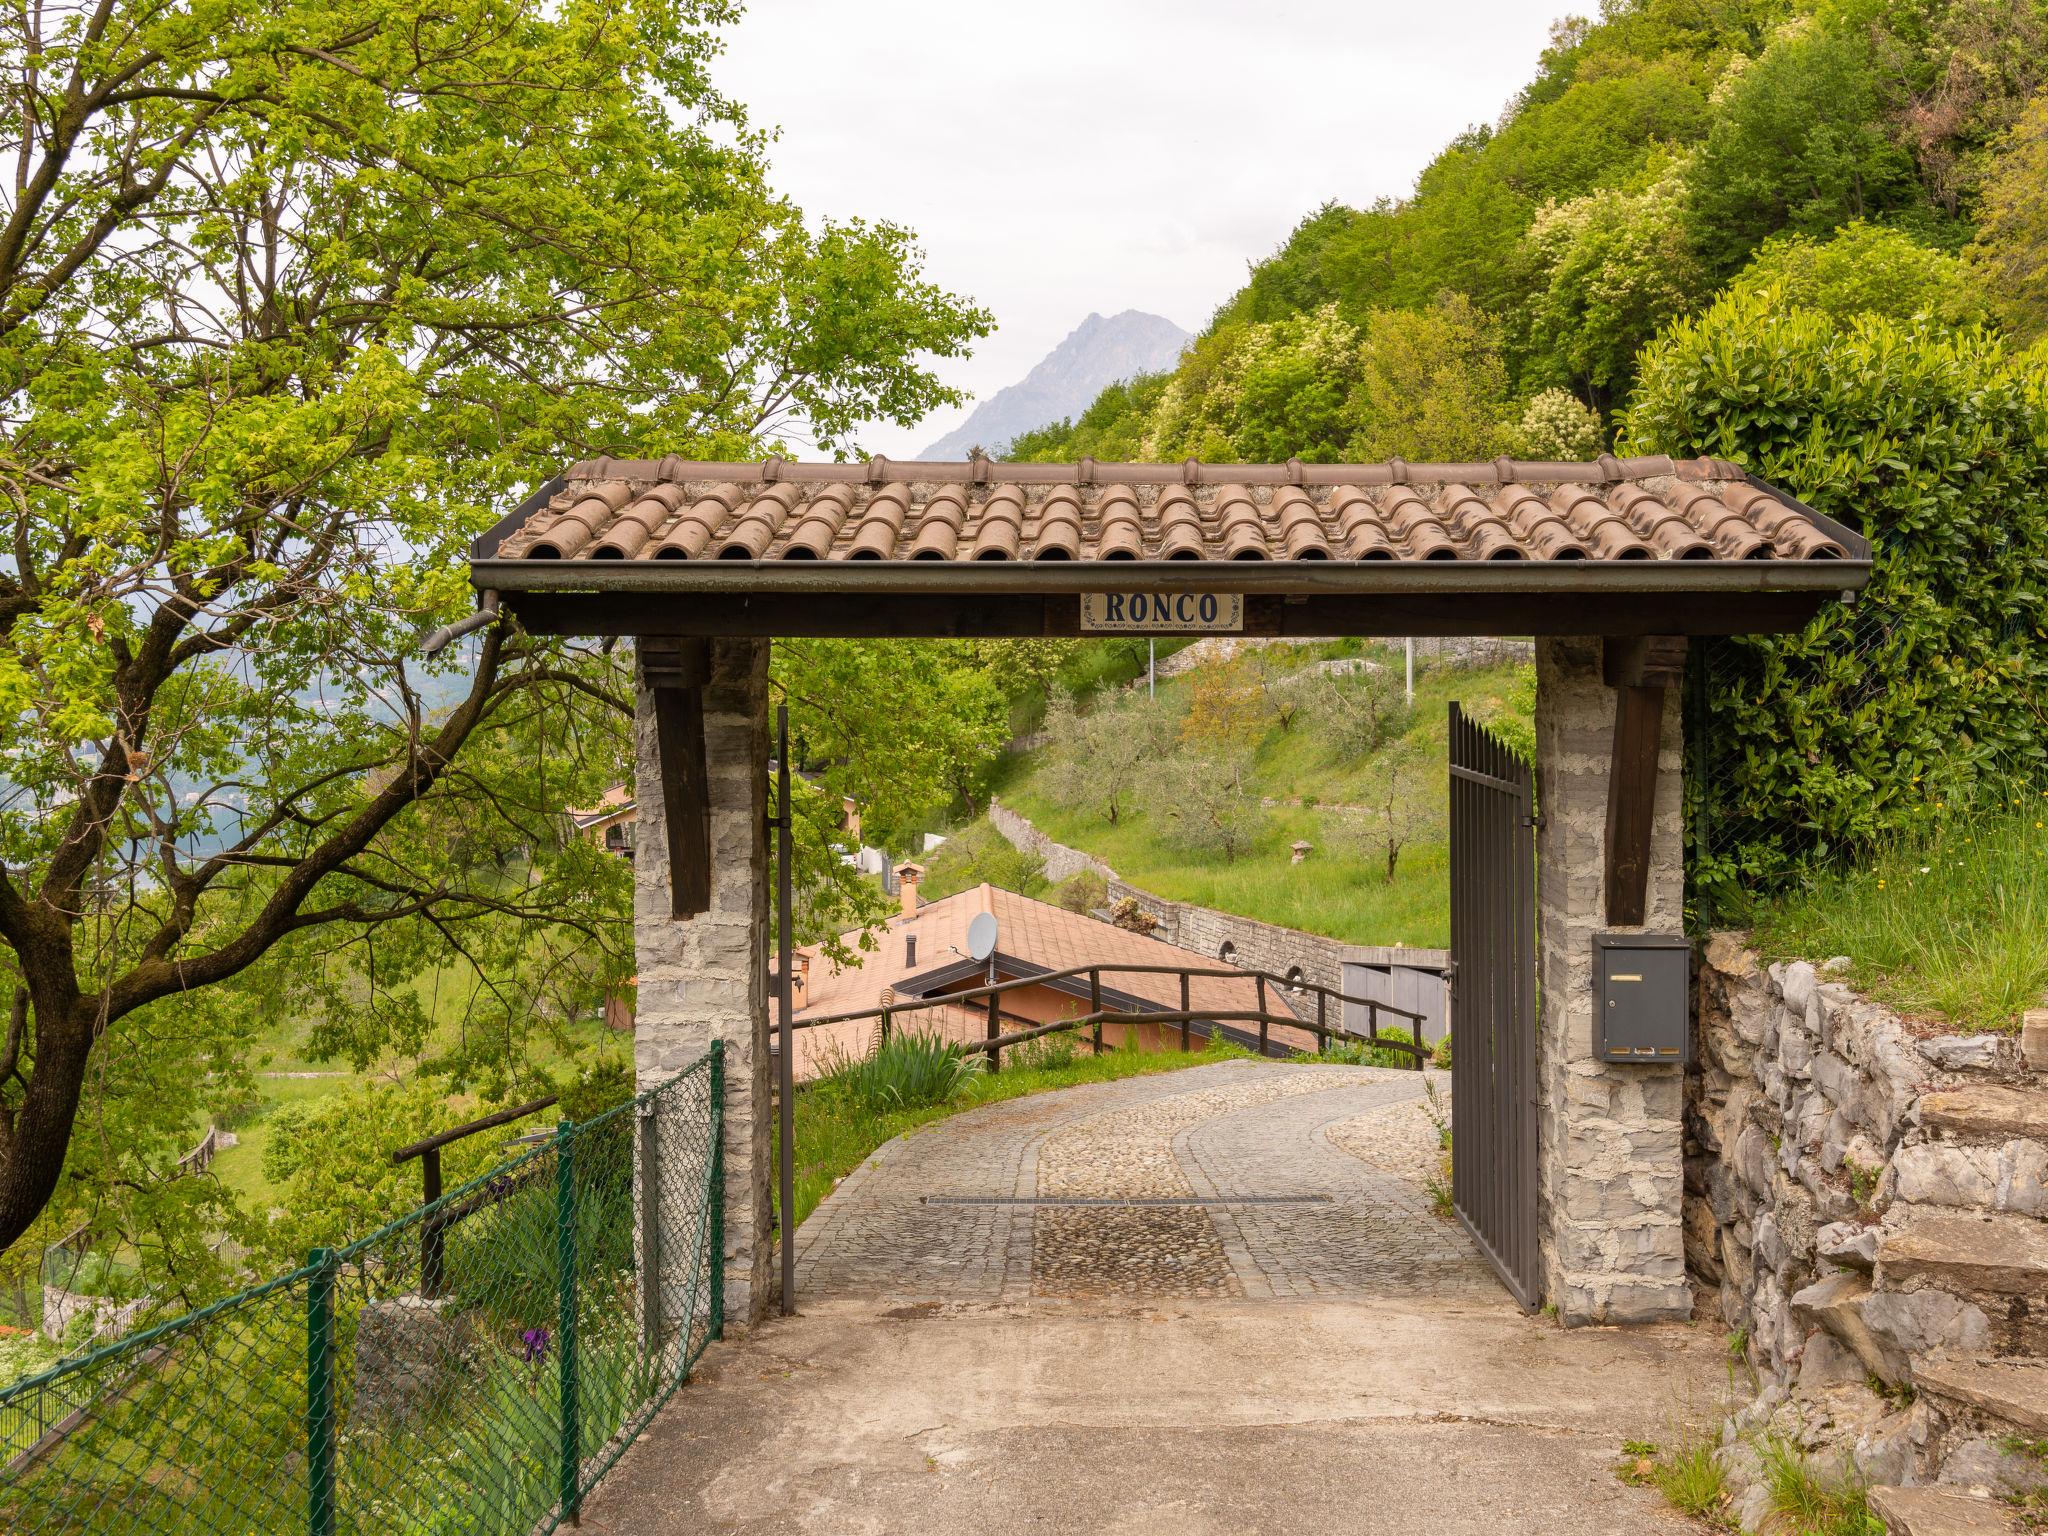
1809,1504
1342,894
1946,925
834,1135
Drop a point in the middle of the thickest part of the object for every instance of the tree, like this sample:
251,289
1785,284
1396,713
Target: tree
1614,266
1226,709
292,305
1799,143
1864,269
2010,255
1202,805
1435,388
1402,803
1099,758
1556,426
1357,710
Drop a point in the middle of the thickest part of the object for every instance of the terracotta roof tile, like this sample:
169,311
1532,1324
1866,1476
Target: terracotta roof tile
1636,509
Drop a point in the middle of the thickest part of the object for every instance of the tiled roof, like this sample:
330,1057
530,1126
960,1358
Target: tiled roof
1640,509
1036,933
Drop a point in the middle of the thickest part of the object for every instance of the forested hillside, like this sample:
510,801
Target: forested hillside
1810,238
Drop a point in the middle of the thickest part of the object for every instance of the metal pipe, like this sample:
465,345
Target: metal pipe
785,1072
448,634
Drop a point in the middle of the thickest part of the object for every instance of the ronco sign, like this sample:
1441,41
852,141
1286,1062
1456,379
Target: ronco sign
1162,613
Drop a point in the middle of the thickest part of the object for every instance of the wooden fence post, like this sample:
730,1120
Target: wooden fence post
1262,1014
1184,1010
1095,1005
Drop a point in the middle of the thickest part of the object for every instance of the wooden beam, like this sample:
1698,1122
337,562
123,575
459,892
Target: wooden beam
1643,661
676,675
1639,668
969,615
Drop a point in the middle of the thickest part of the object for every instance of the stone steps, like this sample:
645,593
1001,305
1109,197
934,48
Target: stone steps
2013,1392
1938,1512
1986,1112
1996,1256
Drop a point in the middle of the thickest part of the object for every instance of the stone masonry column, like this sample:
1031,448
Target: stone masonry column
705,978
1610,1169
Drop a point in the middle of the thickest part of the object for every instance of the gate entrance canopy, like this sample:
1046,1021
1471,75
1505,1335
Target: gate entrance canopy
1614,547
1611,564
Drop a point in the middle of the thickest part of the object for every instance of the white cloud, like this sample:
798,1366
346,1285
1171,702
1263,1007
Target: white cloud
1074,155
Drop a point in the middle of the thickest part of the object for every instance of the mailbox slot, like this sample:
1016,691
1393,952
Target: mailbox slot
1644,997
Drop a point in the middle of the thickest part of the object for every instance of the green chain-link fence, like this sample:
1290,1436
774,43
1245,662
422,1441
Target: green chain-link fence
474,1367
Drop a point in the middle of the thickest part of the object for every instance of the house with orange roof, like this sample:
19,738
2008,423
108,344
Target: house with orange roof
922,953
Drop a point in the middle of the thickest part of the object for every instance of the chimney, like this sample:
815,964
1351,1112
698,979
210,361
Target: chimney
907,877
799,981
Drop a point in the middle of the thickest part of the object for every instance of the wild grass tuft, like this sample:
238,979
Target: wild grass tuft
1691,1478
908,1071
1946,923
1810,1504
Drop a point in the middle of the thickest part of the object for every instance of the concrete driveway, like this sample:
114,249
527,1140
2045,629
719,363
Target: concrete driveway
1215,1301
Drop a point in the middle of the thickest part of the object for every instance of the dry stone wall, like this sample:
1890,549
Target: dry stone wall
1241,941
1867,1203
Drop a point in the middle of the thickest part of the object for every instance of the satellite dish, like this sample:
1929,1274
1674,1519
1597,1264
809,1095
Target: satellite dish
981,936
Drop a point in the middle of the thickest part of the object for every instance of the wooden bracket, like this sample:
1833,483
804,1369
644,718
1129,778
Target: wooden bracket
1639,668
677,672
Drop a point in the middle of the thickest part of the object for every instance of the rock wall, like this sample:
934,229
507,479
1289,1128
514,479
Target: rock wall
1865,1205
1243,941
1061,862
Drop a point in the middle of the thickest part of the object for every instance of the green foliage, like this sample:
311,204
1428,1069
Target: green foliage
1935,446
1614,266
1797,143
978,854
1361,1053
1693,1481
1943,919
1083,891
1864,269
1112,429
297,302
1810,1504
1100,756
1556,426
910,1070
2011,251
1435,386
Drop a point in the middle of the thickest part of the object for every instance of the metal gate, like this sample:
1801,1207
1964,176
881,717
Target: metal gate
1493,1003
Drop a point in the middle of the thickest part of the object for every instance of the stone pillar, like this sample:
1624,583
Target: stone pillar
1610,1166
706,977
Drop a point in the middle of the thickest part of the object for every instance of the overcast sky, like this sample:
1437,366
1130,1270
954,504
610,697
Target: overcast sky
1062,156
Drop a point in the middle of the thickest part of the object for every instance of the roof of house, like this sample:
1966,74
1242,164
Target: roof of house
681,514
613,802
1034,934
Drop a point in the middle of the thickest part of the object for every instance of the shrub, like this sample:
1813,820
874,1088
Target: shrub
908,1071
1440,1057
1932,444
1556,424
1082,891
1361,1053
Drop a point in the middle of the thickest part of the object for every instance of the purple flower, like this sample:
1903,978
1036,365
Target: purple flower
536,1340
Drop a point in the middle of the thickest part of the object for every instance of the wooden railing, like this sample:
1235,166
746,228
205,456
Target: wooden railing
1185,1016
434,1229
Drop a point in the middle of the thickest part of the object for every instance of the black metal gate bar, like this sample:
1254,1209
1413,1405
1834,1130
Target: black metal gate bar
1493,968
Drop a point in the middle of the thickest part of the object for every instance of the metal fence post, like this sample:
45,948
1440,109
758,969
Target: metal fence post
649,1126
320,1511
1095,1006
717,1322
1183,1010
1262,1014
571,1471
433,1250
993,1051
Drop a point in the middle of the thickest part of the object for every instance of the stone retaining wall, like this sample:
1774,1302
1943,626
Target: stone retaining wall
1865,1203
1250,943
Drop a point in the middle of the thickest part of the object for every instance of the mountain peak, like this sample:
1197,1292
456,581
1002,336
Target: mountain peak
1096,353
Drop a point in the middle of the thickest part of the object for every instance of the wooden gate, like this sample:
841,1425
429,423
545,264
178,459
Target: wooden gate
1493,1003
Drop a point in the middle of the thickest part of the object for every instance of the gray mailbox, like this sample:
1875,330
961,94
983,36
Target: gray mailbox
1644,997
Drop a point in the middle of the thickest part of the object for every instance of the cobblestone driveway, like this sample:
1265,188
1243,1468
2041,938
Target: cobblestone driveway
1243,1179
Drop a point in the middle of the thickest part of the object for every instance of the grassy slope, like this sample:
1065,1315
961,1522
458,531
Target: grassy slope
1950,925
1345,897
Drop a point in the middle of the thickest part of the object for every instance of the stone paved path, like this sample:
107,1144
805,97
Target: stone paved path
1329,1358
1313,1182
